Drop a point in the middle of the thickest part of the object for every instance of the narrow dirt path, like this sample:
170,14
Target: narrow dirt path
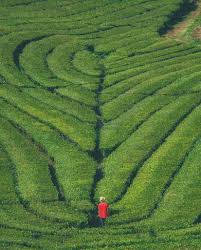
180,29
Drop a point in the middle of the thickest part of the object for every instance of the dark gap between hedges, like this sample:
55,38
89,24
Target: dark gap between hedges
19,49
198,219
97,153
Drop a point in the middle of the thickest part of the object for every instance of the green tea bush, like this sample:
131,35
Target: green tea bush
95,102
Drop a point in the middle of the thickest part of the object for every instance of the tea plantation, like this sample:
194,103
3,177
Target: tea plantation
96,100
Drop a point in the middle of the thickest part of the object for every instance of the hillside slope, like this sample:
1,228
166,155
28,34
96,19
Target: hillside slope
95,100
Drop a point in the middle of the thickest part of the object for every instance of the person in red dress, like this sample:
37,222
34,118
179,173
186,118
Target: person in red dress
103,210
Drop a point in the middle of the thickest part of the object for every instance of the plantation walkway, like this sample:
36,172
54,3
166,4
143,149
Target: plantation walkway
181,28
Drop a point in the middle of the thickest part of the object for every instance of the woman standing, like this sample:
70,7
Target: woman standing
103,210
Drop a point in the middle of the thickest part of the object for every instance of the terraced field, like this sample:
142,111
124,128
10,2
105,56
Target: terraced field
96,101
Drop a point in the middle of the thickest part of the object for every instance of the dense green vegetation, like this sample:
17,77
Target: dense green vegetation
95,101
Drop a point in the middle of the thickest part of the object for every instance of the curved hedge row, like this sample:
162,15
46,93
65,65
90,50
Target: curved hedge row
94,102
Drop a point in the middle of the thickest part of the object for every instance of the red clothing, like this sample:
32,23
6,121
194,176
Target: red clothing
103,210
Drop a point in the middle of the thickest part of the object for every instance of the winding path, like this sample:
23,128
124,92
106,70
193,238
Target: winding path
180,29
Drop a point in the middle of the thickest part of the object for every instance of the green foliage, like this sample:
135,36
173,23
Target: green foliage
94,102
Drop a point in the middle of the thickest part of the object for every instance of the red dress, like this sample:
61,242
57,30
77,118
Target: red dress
103,210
